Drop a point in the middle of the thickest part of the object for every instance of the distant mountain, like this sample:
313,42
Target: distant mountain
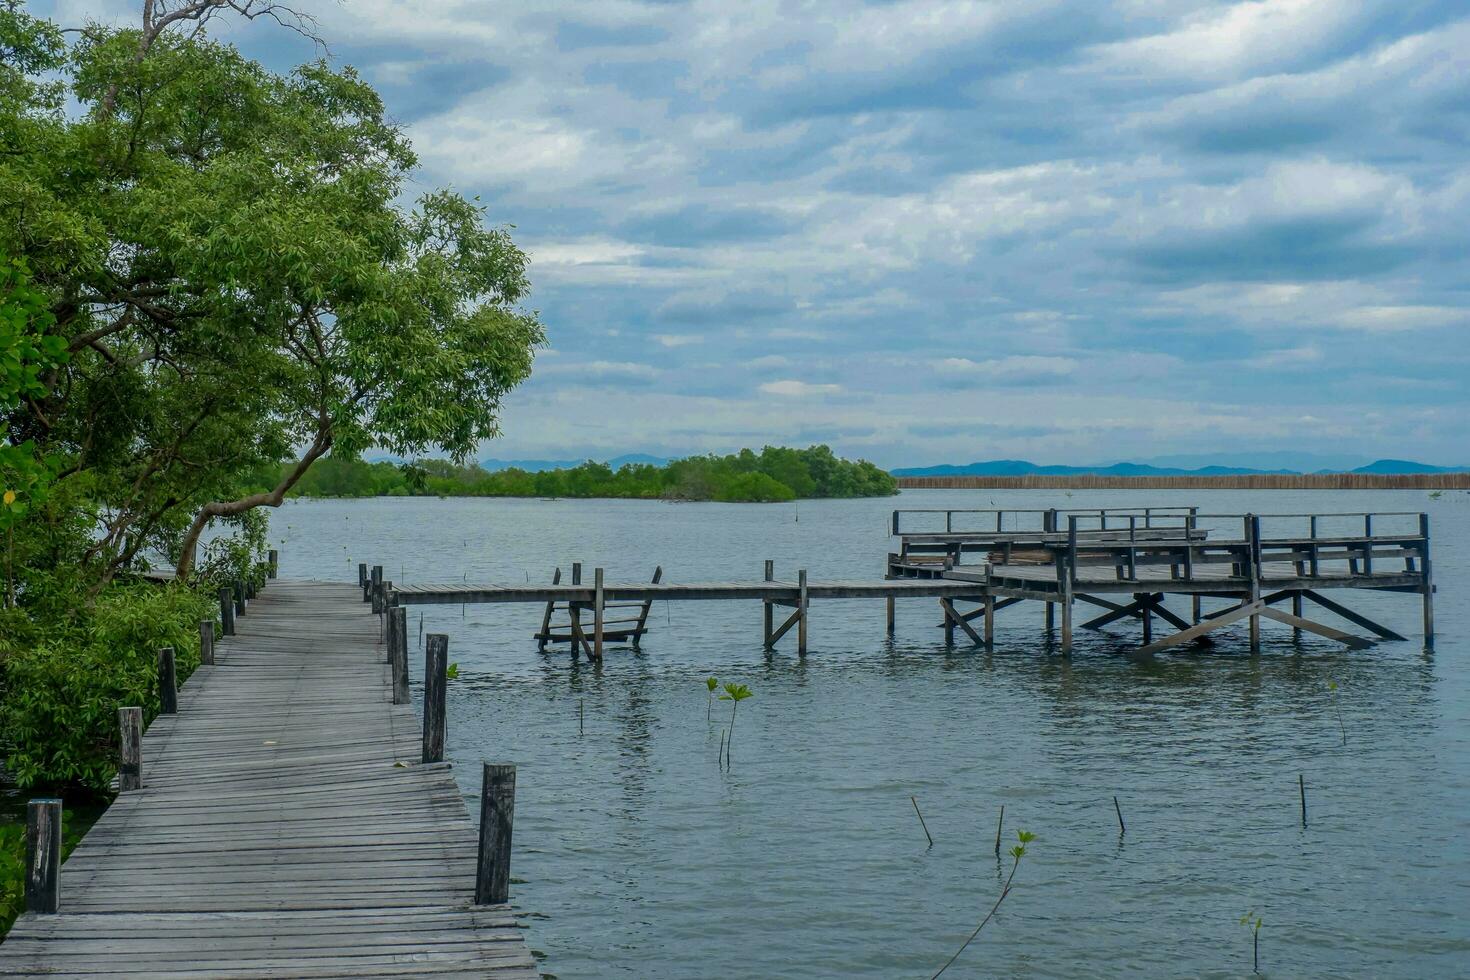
541,465
1406,466
1021,467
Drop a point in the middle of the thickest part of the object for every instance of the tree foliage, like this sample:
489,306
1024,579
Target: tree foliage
208,271
232,279
773,474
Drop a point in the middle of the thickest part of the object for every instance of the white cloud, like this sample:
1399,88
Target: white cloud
798,389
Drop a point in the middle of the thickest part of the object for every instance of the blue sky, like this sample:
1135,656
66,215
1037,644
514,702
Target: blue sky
1061,230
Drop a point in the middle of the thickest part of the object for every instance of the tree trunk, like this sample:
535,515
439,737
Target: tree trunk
269,498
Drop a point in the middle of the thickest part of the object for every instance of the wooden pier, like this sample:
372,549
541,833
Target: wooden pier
1125,561
1253,561
286,825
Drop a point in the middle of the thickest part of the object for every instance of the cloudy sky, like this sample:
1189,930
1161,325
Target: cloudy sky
1059,230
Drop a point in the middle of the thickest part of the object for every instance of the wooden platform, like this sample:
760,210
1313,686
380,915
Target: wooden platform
285,827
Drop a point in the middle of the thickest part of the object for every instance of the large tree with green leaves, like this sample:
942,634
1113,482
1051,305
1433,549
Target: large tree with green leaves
233,275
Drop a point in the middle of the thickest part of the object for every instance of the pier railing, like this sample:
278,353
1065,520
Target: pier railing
1051,520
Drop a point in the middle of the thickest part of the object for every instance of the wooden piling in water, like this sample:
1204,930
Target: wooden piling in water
802,604
43,856
272,563
436,680
1427,589
599,603
768,609
168,686
989,602
130,749
206,642
497,815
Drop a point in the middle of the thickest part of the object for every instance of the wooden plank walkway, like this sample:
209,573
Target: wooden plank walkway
778,592
285,827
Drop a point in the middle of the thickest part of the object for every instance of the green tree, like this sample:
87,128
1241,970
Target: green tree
226,264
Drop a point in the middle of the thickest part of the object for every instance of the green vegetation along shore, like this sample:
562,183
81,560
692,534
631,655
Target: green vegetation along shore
773,474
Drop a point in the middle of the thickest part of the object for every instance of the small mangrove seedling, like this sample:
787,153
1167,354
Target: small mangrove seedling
710,684
452,671
1337,703
734,693
1017,852
915,801
1253,922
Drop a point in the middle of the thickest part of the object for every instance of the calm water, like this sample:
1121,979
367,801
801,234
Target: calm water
640,858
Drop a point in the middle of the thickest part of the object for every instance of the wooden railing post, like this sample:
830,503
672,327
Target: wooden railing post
226,612
436,679
398,648
497,813
168,682
272,563
206,641
361,574
130,742
239,592
43,856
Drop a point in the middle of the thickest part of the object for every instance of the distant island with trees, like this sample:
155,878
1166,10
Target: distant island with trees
774,474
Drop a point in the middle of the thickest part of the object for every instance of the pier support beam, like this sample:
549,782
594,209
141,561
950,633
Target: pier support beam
889,604
989,619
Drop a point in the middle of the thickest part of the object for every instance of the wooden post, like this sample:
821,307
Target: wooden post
1145,613
769,610
1428,587
547,614
130,731
989,619
168,682
1194,603
436,679
948,622
398,628
802,606
1296,610
361,574
574,611
250,588
890,602
272,563
497,813
239,598
226,613
43,856
1253,525
599,602
206,641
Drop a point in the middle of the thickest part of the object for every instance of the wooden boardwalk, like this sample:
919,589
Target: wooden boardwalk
285,827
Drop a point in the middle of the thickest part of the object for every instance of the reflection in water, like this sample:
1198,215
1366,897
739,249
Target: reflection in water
646,860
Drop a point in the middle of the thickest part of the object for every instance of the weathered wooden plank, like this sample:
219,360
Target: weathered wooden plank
285,827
